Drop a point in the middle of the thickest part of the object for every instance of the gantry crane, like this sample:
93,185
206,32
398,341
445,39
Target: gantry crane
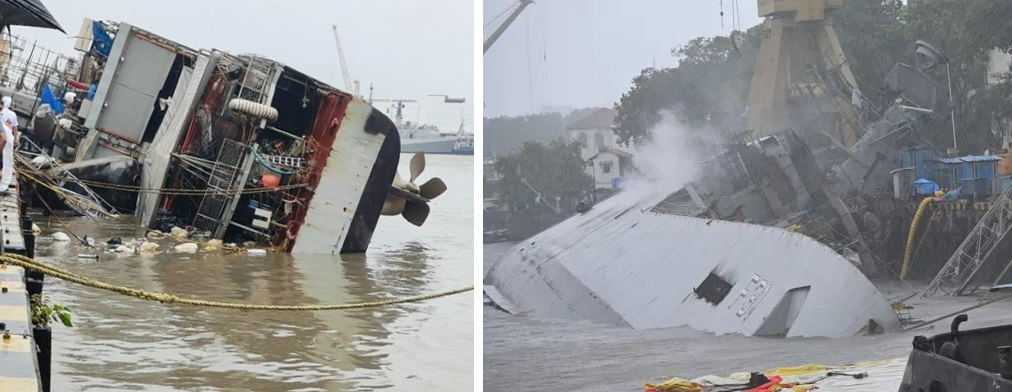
348,84
799,44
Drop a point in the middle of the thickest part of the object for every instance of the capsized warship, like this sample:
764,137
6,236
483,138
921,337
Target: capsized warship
697,256
235,147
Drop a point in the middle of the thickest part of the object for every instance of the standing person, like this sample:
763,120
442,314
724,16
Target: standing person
7,173
8,117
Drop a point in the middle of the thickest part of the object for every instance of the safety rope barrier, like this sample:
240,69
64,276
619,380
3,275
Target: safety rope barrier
166,298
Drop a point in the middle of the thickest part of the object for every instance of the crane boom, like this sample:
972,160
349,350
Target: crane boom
505,24
352,87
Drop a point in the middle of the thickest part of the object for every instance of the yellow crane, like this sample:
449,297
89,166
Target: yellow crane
797,38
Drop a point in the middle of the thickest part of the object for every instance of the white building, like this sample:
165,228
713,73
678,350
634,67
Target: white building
608,165
605,159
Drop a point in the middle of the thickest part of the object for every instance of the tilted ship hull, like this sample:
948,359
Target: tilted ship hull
624,264
238,147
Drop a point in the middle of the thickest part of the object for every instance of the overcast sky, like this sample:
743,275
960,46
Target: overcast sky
584,53
405,48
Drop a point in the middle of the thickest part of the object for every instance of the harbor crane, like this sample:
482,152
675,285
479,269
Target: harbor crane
506,23
348,84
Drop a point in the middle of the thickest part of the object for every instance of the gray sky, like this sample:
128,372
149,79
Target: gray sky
593,48
405,48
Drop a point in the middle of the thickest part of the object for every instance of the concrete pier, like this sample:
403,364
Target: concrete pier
20,368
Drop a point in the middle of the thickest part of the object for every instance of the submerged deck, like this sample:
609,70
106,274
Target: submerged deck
18,354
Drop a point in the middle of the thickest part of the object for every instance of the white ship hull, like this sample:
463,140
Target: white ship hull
622,264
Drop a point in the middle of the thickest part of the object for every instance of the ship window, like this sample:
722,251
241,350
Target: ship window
606,167
713,289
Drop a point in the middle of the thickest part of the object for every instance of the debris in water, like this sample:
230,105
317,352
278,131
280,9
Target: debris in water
257,252
35,229
148,247
179,233
60,237
213,245
189,247
155,234
123,249
87,256
87,242
115,241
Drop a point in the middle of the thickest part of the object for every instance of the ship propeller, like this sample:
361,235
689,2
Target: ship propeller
411,200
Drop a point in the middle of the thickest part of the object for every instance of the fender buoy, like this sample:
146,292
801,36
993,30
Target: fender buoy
253,109
293,230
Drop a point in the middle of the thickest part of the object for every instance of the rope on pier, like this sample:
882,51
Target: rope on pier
56,272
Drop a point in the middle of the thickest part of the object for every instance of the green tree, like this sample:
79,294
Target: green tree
709,86
554,169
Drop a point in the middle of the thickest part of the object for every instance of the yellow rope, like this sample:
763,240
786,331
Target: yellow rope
908,252
26,262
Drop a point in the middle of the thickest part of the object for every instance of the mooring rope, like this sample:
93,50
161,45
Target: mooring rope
164,298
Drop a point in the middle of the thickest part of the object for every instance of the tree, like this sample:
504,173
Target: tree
709,86
555,170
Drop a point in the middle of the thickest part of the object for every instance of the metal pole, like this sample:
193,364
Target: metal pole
952,106
502,28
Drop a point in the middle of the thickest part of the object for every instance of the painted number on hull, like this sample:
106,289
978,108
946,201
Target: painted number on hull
750,297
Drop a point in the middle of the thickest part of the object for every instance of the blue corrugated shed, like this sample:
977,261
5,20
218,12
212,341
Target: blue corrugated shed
980,158
987,170
922,171
964,171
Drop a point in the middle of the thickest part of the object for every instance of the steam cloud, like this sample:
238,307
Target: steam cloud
671,159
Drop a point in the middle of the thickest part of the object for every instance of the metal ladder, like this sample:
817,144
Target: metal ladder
956,276
255,80
221,187
280,160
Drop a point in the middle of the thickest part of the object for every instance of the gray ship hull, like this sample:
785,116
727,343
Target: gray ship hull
621,263
428,146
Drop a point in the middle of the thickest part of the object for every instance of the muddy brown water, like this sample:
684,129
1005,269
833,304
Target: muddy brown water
122,343
527,353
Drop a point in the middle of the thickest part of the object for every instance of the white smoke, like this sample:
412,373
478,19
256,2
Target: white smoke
671,159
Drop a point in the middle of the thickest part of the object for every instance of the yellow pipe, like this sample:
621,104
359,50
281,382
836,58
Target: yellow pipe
908,253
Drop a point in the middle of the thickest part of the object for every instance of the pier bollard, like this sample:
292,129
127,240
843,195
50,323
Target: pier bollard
34,280
44,339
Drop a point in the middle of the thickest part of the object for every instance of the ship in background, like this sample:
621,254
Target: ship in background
435,124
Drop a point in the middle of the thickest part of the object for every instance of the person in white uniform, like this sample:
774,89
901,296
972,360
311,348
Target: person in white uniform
7,173
7,116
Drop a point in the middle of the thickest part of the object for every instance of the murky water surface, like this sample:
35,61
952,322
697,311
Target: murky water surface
122,343
526,353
